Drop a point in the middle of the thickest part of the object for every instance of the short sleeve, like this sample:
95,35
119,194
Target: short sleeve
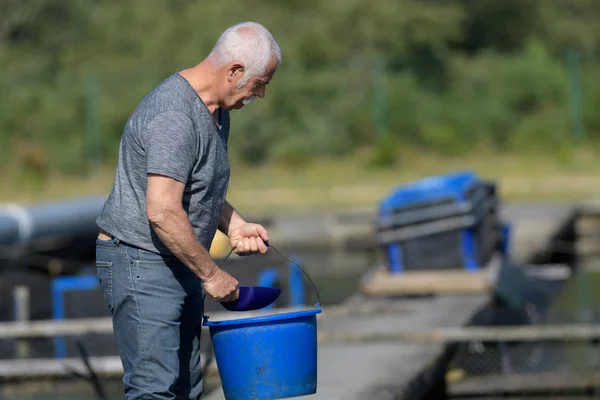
170,145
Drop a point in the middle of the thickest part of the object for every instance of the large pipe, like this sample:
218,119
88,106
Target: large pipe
20,224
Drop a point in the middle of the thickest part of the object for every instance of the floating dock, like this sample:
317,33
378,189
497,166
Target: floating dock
377,368
382,370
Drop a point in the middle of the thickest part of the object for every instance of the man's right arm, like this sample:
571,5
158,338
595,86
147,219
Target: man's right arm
171,224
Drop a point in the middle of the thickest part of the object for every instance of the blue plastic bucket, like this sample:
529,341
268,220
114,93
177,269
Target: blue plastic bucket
267,357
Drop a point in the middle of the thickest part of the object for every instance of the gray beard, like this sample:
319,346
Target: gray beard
248,100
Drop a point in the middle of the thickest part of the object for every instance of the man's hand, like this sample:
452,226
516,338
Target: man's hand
221,286
249,239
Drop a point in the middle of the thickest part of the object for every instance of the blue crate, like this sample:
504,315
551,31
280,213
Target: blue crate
63,284
429,190
439,212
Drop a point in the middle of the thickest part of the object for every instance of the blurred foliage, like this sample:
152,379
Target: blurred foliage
460,74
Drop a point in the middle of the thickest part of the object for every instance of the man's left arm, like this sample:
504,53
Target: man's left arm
230,218
246,238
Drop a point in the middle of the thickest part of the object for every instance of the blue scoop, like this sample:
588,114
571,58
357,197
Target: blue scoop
253,298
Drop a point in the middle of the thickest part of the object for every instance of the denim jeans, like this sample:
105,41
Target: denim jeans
156,307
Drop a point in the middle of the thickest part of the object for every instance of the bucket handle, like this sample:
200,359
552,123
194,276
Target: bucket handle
283,255
301,269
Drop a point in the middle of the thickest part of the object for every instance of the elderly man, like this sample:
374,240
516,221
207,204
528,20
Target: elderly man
167,202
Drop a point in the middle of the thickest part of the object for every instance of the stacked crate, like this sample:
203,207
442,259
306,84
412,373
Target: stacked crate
442,222
447,223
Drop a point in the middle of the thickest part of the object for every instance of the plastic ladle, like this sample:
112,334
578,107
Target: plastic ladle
257,297
250,297
253,298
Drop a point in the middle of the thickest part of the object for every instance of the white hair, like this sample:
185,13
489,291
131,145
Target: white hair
249,43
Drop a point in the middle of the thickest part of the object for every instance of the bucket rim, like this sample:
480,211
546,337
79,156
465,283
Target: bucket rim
264,318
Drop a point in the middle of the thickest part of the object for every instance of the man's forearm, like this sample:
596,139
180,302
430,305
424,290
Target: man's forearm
230,219
175,231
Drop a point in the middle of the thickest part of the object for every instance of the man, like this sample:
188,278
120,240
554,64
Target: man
167,202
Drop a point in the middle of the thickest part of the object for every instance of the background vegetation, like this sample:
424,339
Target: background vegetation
376,82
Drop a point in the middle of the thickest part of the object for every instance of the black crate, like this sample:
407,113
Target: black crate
431,235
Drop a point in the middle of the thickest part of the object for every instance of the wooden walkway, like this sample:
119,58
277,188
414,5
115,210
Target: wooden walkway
538,229
382,370
528,384
385,370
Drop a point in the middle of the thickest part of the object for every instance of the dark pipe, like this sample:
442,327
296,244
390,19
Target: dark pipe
20,225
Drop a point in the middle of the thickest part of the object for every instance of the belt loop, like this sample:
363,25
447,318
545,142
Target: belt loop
116,241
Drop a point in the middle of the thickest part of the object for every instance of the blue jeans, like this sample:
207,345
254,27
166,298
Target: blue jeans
156,307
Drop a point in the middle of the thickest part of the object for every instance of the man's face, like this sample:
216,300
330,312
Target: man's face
236,97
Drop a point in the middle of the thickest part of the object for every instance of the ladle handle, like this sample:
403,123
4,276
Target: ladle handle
301,269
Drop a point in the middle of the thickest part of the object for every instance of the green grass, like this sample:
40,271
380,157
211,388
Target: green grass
343,184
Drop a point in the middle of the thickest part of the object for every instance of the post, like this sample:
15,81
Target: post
296,284
22,314
379,96
92,121
575,96
505,244
59,286
269,278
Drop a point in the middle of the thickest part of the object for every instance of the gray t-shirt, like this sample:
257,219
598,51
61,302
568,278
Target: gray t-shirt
172,133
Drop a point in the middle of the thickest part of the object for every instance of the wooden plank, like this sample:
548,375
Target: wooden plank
38,368
590,263
441,335
524,333
31,369
590,208
51,328
524,383
383,282
550,272
587,246
86,326
585,226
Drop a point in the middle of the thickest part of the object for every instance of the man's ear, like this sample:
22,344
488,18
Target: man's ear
233,70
